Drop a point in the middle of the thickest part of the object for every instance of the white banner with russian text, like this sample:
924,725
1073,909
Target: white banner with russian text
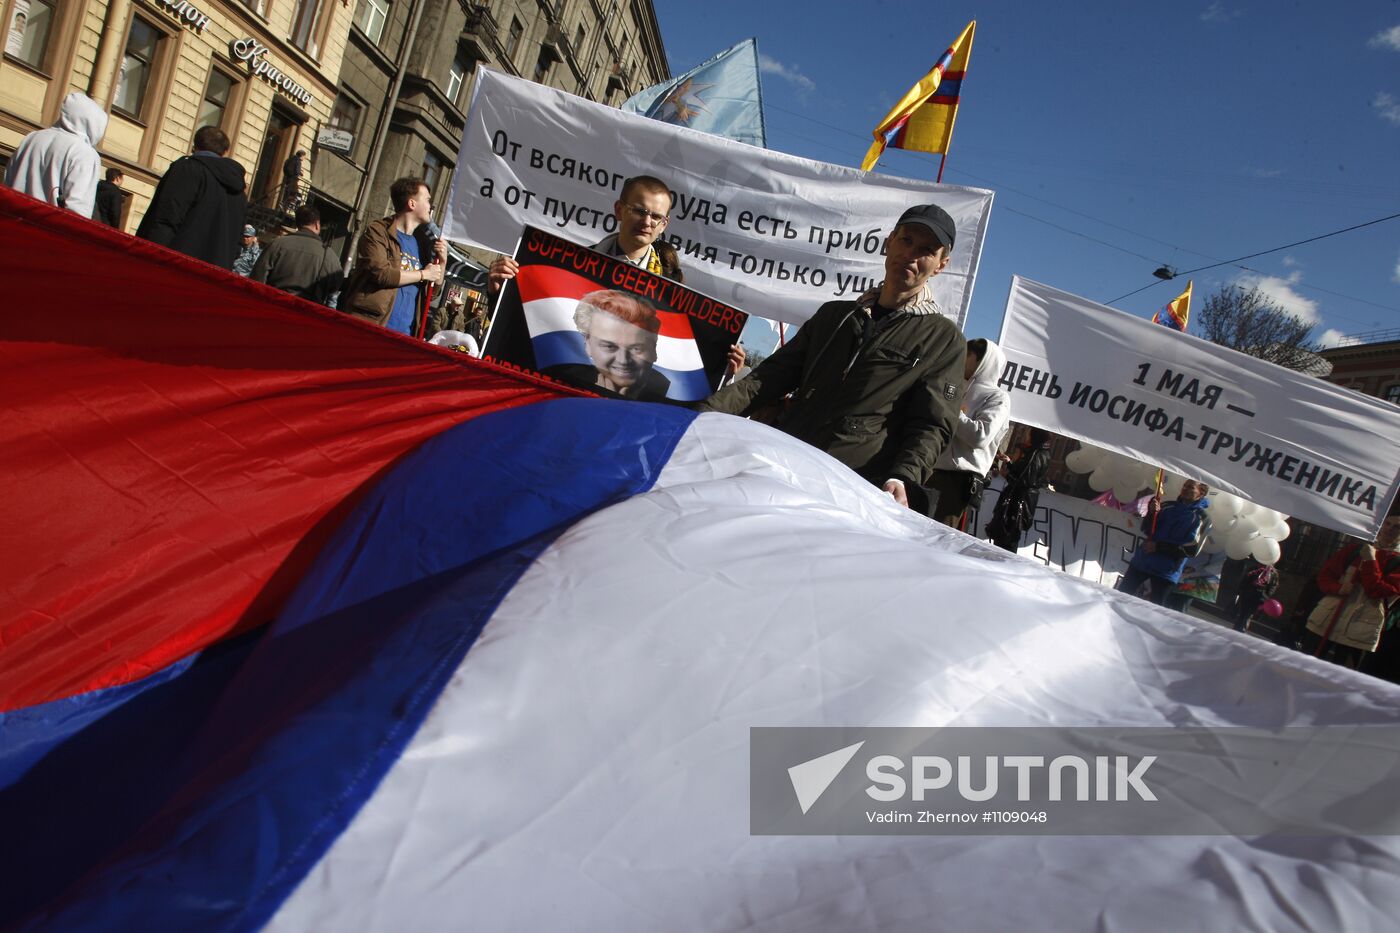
1308,448
767,232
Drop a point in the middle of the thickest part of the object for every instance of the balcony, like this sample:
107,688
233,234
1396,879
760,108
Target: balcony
479,33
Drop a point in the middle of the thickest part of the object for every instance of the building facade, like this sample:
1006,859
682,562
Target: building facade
263,70
410,66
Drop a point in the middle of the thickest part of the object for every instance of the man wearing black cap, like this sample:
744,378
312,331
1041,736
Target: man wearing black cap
875,382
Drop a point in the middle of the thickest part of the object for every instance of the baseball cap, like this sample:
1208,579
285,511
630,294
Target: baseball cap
935,218
249,230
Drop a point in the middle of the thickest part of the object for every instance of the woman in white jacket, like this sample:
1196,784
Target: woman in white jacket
962,468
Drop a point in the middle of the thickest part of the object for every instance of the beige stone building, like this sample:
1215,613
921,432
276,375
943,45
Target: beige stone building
263,70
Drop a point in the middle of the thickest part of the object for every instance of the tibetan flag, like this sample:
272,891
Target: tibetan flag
1177,312
923,119
722,95
308,626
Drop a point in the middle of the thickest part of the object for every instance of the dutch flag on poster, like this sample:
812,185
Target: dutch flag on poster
550,297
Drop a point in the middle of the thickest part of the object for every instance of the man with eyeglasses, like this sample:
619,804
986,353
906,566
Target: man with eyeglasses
642,211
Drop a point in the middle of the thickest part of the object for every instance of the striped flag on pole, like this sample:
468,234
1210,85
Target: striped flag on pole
922,121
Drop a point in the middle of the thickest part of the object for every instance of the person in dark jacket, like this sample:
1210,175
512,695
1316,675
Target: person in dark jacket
199,206
1025,477
291,180
1174,534
876,382
1257,585
109,198
300,263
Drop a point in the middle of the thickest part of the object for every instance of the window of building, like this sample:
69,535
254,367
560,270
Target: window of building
218,94
345,114
432,170
138,61
370,16
455,76
305,20
513,40
28,39
579,35
257,6
1392,394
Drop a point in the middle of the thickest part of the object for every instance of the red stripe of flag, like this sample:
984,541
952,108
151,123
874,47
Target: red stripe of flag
541,281
184,445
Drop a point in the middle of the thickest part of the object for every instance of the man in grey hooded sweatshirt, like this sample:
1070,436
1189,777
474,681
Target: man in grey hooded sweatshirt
60,164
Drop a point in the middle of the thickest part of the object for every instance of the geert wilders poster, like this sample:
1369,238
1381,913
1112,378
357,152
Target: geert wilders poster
608,326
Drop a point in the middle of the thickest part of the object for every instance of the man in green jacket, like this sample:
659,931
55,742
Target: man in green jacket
300,263
875,382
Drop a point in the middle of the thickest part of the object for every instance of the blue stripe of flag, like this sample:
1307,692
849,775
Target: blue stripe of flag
328,698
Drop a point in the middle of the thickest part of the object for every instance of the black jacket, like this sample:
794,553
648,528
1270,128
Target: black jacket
109,203
199,209
881,398
301,264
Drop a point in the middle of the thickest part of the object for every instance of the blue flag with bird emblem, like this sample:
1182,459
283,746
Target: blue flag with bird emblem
720,96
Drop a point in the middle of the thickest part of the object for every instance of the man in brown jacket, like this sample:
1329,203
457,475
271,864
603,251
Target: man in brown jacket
384,286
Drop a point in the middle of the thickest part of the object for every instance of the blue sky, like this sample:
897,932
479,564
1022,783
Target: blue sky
1117,136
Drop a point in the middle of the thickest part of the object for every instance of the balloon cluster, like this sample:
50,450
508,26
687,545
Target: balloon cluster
1238,527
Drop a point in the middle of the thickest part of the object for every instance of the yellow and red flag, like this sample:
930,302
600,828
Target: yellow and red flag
923,119
1177,312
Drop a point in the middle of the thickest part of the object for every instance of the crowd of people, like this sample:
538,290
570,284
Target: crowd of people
885,382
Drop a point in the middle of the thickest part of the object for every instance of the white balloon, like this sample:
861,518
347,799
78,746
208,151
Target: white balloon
1125,493
1100,481
1237,550
1249,509
1281,531
1081,460
1214,545
1265,550
1227,503
1243,533
1223,527
1171,488
1090,458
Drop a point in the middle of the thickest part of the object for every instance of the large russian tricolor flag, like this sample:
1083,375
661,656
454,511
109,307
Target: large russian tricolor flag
309,626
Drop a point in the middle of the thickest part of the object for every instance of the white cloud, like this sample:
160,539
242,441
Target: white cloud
1388,107
1217,13
1396,276
1266,172
1386,39
1330,337
1281,292
772,66
1289,261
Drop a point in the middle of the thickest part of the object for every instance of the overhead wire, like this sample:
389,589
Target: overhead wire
1215,264
1265,252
